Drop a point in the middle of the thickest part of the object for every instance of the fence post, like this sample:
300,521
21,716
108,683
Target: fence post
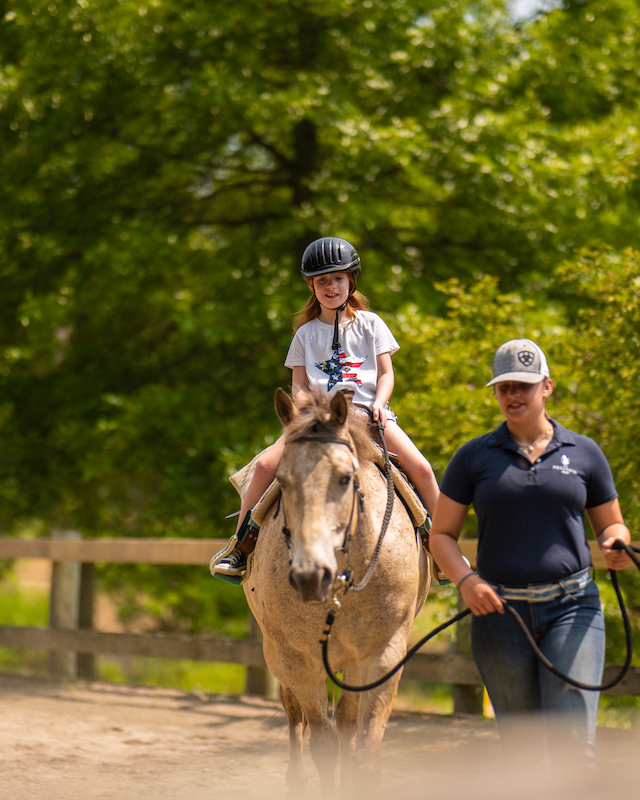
63,607
466,699
86,665
260,680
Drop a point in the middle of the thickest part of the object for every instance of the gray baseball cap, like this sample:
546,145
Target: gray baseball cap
519,360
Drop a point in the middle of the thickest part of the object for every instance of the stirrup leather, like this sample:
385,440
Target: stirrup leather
423,530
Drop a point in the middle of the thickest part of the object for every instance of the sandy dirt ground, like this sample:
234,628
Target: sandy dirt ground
101,742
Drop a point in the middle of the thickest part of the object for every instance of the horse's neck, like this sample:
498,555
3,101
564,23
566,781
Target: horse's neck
369,478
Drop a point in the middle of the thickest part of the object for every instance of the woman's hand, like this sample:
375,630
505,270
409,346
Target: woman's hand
608,526
481,598
616,559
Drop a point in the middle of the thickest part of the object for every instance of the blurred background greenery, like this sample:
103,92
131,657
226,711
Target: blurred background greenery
163,167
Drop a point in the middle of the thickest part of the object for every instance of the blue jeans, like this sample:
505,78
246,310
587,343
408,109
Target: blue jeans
524,693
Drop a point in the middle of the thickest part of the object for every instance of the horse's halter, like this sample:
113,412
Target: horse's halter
345,581
357,504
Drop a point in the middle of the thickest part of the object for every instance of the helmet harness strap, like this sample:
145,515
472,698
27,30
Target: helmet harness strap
335,345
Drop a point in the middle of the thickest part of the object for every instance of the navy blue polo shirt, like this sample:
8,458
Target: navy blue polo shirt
530,516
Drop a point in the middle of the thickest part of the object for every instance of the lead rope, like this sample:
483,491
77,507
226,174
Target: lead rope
618,545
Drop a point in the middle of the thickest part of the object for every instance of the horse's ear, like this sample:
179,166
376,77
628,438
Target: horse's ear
339,409
285,407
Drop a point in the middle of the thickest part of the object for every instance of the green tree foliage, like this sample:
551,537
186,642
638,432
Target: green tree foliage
593,347
598,385
579,70
165,164
446,361
599,362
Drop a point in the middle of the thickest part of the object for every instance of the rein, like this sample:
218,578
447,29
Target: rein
619,545
358,587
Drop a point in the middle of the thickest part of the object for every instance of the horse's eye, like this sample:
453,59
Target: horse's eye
345,480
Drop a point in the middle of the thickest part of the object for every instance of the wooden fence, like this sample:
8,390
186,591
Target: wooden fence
73,642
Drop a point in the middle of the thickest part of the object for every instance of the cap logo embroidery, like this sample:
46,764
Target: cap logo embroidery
525,357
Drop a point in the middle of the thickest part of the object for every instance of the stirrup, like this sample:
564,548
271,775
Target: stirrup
437,574
230,545
248,527
237,580
233,564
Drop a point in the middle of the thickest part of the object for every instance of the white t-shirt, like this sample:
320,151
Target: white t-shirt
354,366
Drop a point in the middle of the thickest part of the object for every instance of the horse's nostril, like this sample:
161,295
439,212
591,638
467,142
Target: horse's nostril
311,584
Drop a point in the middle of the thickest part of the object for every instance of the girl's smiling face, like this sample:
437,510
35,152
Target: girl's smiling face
332,289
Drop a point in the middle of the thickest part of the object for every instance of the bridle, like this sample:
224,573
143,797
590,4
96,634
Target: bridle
357,502
344,581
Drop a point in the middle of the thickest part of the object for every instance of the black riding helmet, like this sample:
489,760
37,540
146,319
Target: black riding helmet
330,254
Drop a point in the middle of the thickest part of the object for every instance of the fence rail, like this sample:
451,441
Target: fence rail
73,643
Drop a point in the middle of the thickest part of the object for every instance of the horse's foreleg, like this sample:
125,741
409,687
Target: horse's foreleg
323,741
373,715
370,733
296,777
323,744
347,724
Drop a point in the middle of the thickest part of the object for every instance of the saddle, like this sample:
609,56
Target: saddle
404,490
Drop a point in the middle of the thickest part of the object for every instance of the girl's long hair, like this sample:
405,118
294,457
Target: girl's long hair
312,308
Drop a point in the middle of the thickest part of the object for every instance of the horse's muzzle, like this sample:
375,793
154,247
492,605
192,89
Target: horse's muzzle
311,584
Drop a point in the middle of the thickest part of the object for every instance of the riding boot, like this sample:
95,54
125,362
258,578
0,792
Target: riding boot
232,559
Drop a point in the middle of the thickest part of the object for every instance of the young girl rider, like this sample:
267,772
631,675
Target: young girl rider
338,344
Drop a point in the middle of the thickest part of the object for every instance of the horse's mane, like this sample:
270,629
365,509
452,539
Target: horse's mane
315,419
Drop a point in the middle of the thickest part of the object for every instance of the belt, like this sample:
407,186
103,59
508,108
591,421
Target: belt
540,592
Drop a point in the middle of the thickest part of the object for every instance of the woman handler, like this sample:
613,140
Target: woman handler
530,482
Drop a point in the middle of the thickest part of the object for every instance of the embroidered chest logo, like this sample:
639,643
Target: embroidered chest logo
339,369
525,357
564,467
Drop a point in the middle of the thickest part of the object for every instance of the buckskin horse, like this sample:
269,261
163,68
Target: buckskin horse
326,524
